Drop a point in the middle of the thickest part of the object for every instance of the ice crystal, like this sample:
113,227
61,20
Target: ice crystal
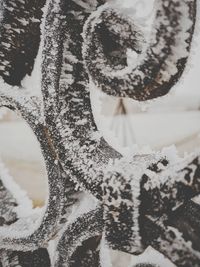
98,199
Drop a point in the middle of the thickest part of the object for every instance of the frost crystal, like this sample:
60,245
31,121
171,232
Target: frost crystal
99,200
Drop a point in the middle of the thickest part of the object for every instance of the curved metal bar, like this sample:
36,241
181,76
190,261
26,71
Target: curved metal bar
165,189
86,227
35,258
161,63
72,145
36,235
66,96
169,241
19,38
69,116
8,217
